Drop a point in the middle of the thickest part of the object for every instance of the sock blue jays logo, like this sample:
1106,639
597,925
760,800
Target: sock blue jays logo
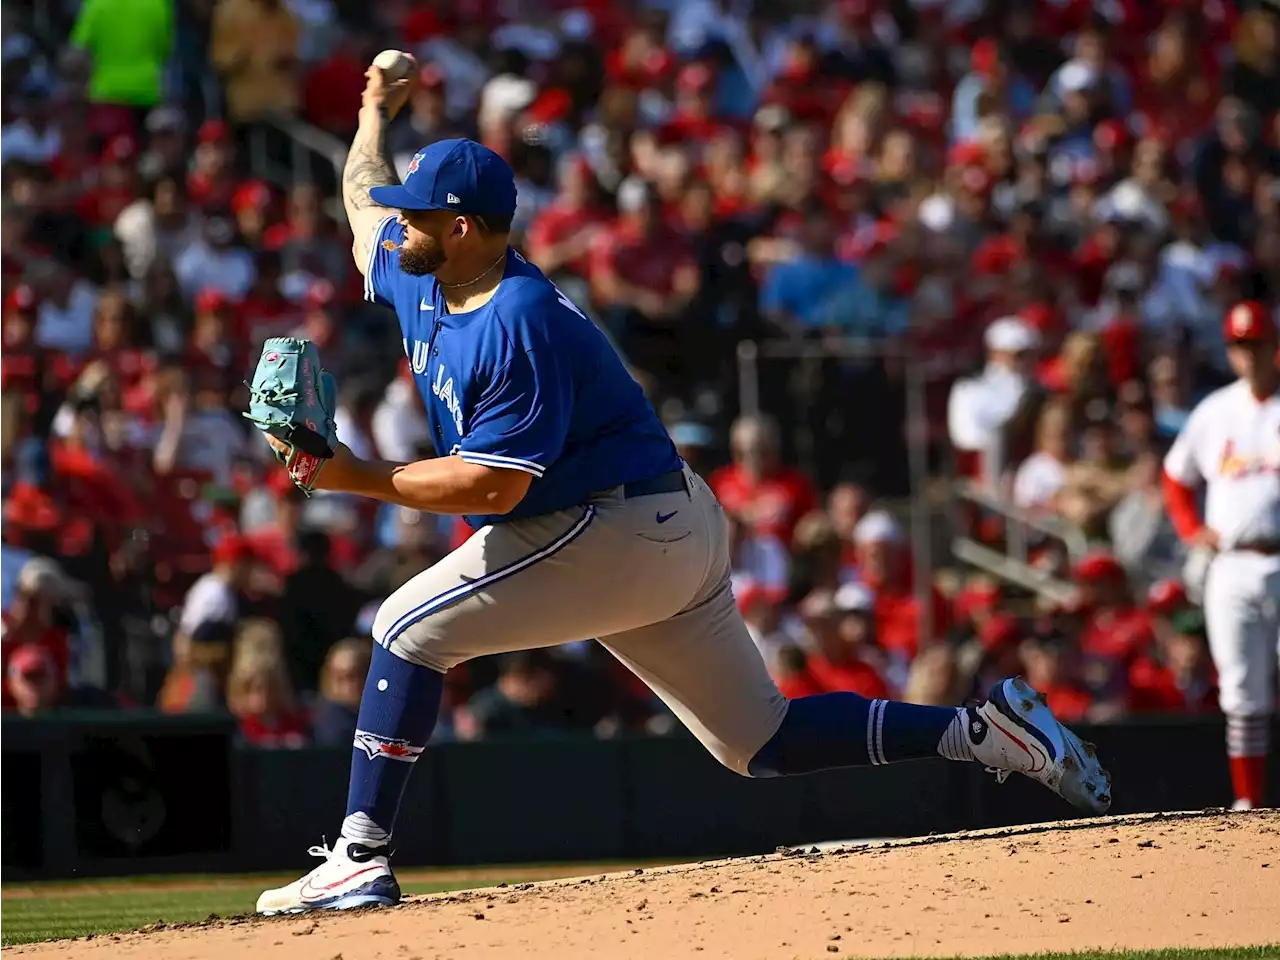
376,746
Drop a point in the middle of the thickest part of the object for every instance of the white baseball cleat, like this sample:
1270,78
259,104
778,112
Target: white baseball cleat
1016,732
353,874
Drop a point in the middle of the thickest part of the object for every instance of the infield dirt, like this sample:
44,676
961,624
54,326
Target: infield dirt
1178,880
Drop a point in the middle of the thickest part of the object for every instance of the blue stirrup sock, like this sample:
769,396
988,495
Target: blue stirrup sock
847,730
398,711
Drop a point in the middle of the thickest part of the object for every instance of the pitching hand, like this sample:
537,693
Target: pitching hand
335,473
379,94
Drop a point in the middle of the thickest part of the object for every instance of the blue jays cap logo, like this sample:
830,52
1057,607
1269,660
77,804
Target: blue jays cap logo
413,164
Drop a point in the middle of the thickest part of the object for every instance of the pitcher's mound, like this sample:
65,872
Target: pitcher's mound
1179,880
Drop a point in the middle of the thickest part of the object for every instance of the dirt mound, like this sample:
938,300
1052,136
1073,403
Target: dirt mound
1207,879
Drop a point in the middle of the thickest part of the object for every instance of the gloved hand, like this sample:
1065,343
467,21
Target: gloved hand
1195,572
292,399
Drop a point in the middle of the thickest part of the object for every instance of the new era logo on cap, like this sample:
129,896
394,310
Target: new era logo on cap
452,199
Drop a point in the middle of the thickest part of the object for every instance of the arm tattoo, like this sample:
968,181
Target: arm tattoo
367,166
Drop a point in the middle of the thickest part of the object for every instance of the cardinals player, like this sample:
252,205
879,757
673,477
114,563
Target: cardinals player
1231,444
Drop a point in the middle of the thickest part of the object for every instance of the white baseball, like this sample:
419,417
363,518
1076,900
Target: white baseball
395,64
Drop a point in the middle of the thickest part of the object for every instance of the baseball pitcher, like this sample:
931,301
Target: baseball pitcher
587,523
1231,443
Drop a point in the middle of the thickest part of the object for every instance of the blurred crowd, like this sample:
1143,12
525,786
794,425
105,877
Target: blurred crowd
1038,210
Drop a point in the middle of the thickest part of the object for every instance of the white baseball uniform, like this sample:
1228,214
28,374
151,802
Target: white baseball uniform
1231,442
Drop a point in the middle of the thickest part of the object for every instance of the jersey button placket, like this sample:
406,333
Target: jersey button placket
435,352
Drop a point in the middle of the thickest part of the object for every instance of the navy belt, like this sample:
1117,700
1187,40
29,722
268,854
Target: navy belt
672,482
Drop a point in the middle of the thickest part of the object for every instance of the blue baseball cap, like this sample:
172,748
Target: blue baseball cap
459,175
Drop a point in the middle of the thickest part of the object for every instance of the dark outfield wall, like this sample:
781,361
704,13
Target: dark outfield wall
115,795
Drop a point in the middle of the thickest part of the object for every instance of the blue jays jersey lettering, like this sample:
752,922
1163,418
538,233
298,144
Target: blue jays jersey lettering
525,382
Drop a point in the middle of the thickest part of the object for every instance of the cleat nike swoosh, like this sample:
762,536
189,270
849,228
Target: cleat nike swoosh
1033,754
309,891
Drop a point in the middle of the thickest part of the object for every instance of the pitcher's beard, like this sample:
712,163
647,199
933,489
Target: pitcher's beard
421,260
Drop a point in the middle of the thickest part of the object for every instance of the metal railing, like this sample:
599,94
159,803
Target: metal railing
1021,529
308,149
751,352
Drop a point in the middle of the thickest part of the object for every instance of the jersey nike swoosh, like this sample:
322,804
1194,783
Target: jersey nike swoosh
425,306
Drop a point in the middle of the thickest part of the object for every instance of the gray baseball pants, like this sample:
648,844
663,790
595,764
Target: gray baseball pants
655,594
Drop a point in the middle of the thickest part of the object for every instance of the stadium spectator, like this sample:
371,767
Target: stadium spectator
796,290
1051,665
1081,198
980,407
1043,475
561,236
35,620
1116,628
253,45
524,700
884,565
1146,542
261,698
1178,676
990,86
934,678
758,563
214,597
214,261
643,275
197,680
32,680
66,305
128,46
333,719
317,606
757,486
837,646
1098,479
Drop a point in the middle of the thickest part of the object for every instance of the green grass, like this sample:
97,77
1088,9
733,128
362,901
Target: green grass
65,912
1178,953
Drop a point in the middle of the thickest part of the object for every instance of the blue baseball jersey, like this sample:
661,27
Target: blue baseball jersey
525,382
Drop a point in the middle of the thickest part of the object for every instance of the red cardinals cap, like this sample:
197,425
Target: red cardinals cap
999,633
280,483
232,548
984,57
30,659
21,299
551,105
254,195
1097,567
1112,135
695,77
210,299
976,597
213,131
1248,320
119,149
1165,596
967,154
320,295
431,77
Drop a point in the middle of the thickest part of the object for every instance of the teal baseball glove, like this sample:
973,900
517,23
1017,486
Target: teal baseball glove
293,399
